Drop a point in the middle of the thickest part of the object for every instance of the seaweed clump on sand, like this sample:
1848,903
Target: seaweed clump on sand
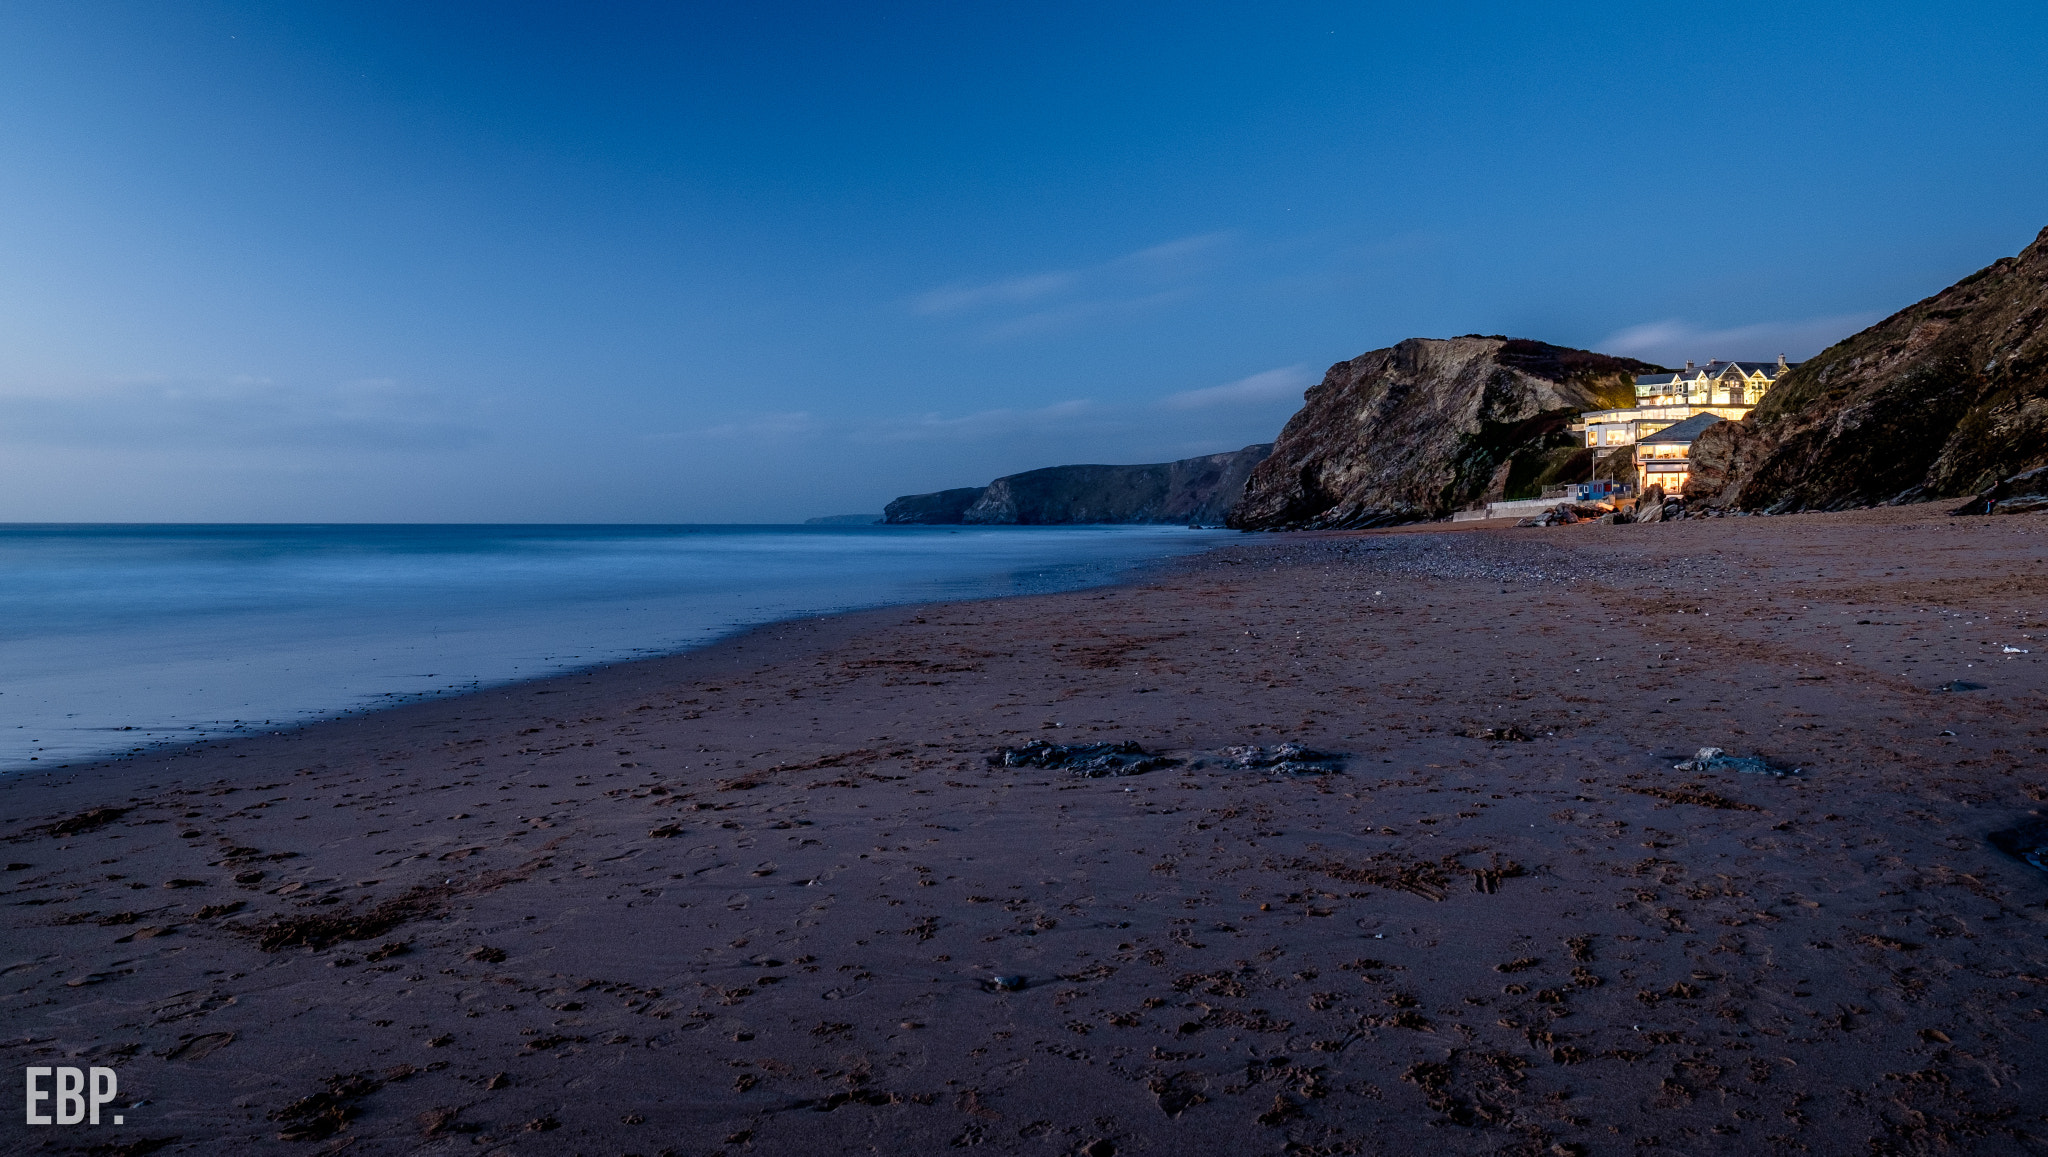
2026,842
320,931
1286,759
1715,759
323,1114
1083,760
82,823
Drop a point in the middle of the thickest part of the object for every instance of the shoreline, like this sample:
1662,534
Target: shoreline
1133,574
753,897
1081,572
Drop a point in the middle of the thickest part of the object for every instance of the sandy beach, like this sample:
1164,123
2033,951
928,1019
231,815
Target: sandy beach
757,899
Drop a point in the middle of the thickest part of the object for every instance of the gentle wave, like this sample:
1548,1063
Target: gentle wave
120,639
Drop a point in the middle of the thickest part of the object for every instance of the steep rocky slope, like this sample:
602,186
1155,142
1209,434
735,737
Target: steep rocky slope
1199,490
1423,428
937,508
1939,400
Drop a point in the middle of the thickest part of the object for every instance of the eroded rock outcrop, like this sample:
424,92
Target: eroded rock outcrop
1426,427
2023,493
937,508
1939,400
1193,490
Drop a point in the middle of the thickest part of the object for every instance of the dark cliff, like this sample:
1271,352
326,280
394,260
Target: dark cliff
939,507
1192,490
1426,427
1939,400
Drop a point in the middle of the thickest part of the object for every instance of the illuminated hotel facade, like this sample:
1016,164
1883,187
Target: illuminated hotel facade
1668,401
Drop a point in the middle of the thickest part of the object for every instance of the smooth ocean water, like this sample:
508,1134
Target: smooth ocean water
119,639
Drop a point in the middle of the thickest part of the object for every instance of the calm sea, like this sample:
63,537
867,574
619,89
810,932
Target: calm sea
117,639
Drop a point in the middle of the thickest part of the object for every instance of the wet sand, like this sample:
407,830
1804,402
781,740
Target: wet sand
752,899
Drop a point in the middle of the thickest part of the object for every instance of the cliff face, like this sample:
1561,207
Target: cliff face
1941,399
1191,490
1428,426
940,507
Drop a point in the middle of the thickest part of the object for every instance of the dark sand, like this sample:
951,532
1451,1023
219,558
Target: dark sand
744,900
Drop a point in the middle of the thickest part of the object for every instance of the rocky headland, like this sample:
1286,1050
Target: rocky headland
1423,428
1942,399
1193,490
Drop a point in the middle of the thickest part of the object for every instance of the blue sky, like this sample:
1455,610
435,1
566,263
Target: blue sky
670,262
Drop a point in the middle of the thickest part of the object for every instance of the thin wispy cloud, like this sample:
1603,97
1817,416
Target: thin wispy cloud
1177,250
1284,383
1067,316
931,450
1076,418
979,426
984,424
1030,304
167,412
1011,291
1673,342
130,386
777,427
